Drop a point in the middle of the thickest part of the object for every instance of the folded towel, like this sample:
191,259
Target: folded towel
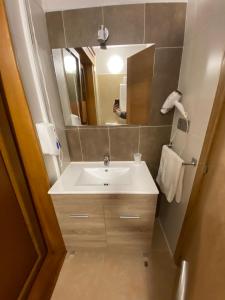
170,174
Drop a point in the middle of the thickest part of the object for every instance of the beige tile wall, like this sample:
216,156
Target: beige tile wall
203,52
91,143
162,24
158,23
54,5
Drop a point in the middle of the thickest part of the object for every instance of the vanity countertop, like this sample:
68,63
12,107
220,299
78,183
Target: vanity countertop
125,177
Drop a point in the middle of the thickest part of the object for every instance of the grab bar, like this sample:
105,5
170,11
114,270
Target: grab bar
182,285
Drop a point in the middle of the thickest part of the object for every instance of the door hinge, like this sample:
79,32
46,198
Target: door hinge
206,169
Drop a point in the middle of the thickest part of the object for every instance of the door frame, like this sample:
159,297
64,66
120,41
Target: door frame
214,120
11,161
33,164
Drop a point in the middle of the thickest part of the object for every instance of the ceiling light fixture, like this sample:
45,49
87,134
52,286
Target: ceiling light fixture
115,64
70,64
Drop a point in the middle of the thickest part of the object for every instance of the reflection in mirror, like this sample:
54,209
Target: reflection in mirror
105,86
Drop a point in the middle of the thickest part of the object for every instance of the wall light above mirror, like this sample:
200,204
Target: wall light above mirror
109,86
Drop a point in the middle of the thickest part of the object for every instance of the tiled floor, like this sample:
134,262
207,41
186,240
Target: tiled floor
106,275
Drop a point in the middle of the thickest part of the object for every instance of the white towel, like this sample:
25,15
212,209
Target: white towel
170,174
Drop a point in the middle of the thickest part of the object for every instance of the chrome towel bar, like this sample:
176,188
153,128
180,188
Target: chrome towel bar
192,163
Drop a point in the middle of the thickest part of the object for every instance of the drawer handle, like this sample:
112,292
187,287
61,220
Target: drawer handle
130,217
79,216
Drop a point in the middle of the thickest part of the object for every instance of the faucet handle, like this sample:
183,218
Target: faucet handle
106,159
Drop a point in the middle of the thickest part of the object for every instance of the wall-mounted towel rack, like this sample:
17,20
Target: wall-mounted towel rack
192,163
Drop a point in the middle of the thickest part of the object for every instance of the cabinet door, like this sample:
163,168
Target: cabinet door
22,248
82,224
130,225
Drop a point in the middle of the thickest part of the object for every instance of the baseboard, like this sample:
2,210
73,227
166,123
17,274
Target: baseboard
165,237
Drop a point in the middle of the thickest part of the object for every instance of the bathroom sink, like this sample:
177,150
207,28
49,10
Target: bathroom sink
120,177
104,176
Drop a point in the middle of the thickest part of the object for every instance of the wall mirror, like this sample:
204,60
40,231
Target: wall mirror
109,86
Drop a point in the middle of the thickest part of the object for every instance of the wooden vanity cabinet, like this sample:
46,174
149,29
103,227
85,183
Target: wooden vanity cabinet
99,221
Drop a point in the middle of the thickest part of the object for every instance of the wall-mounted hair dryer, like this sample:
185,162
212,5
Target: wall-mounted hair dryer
172,101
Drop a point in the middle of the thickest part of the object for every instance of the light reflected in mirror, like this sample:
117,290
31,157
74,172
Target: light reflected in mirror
105,86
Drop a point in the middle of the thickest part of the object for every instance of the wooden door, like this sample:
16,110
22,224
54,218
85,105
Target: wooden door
27,173
139,82
202,242
22,248
88,84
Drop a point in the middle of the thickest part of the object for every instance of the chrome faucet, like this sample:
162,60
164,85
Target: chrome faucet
106,160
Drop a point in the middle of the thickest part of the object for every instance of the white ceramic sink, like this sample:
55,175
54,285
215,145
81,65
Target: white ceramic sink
104,176
121,177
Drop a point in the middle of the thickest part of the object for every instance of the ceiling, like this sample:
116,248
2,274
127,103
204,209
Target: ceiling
54,5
